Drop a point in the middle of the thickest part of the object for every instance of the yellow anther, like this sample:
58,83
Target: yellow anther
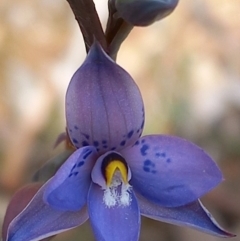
112,167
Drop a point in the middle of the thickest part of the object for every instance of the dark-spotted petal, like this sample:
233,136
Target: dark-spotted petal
144,12
105,100
170,171
118,223
68,189
39,220
193,215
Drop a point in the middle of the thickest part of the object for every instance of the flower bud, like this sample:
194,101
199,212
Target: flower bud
144,12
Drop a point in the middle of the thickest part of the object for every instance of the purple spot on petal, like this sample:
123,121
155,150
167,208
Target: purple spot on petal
129,135
85,135
85,143
147,162
146,169
104,142
73,174
73,167
75,127
105,146
123,143
75,141
80,164
142,141
87,154
168,160
148,166
137,143
159,154
113,148
143,149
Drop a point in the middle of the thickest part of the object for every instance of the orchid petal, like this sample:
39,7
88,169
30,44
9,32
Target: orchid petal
170,171
17,203
144,12
107,103
68,189
118,223
193,215
39,220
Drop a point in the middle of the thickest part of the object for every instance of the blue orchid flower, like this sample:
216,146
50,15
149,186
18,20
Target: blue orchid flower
115,175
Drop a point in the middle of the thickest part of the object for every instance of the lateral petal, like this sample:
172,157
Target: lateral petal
68,188
170,171
39,220
193,215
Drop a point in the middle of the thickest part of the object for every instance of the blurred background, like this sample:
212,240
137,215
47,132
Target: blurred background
187,67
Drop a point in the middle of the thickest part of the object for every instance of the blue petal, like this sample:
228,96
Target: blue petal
104,106
68,189
39,220
170,171
118,223
193,215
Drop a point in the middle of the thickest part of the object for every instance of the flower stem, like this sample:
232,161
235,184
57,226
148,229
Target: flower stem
86,15
116,32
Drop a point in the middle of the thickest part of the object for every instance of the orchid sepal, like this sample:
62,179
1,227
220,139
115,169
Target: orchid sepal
106,101
193,215
171,171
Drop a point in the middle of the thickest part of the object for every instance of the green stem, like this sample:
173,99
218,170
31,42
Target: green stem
116,32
